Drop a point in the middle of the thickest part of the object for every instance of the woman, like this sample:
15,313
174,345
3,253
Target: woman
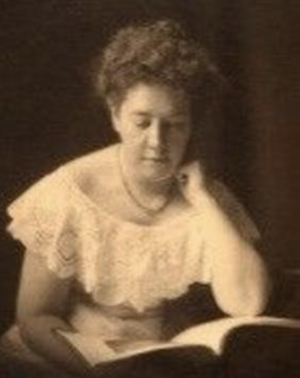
112,235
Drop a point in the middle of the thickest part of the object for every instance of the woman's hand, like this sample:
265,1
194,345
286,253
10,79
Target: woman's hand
240,280
192,182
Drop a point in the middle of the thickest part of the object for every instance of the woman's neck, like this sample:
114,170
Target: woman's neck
151,195
153,188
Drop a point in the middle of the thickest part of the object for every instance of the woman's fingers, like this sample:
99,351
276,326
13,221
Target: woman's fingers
191,181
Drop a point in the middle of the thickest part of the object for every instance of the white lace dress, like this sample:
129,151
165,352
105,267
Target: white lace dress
123,271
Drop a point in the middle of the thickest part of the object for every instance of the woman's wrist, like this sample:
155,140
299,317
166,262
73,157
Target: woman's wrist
41,334
76,360
195,186
203,200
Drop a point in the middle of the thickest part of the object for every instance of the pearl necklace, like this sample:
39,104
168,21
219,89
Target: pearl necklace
135,200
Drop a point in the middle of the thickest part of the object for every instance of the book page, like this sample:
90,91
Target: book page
213,334
95,350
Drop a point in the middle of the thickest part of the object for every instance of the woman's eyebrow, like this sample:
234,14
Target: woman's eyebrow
141,114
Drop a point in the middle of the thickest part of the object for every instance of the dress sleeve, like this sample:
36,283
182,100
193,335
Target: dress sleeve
235,211
41,219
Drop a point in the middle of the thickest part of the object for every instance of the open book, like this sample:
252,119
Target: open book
211,335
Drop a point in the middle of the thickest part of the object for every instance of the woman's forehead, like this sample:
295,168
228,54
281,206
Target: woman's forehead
143,99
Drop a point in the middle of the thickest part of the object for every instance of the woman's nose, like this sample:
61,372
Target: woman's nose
156,134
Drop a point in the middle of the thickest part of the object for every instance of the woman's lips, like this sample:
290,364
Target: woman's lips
156,159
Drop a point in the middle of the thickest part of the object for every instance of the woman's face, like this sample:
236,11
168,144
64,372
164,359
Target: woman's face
154,125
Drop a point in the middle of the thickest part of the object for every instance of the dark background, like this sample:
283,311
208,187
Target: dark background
48,116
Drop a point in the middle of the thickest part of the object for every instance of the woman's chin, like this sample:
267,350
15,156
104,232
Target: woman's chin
158,176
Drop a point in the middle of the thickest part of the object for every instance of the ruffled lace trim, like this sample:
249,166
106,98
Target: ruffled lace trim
115,261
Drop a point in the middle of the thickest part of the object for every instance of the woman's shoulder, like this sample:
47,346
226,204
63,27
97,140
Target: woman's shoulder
85,170
57,185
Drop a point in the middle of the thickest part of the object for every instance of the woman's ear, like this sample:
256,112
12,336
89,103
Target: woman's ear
115,119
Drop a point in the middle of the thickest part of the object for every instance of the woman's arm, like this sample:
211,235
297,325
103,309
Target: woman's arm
42,302
240,280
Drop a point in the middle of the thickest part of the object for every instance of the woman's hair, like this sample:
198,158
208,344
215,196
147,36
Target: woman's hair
158,52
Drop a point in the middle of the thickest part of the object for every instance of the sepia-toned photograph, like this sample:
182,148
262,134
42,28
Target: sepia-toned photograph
149,160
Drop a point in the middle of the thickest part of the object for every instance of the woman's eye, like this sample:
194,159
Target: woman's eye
143,123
